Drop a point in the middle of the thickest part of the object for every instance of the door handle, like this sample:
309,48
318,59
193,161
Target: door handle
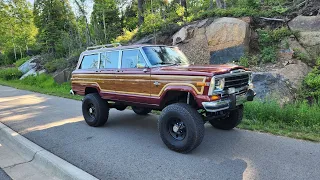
145,70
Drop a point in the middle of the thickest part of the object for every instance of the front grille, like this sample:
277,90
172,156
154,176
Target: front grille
236,81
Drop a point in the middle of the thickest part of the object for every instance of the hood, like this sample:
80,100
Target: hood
212,69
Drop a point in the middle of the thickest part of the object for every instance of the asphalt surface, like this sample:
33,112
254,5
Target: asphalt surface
3,175
129,146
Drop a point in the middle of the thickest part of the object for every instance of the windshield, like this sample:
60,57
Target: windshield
162,55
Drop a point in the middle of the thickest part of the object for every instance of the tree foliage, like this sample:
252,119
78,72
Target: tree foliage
55,22
63,27
16,28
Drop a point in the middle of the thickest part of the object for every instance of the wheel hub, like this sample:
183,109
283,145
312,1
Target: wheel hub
91,110
177,129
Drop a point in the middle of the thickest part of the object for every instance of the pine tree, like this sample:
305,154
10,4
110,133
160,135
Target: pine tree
53,18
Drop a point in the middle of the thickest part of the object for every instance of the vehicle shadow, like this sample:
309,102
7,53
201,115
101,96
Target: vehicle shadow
127,147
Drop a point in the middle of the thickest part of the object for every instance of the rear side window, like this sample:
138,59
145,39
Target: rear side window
89,62
130,59
109,59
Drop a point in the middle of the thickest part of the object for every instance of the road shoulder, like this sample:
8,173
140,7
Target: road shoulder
22,159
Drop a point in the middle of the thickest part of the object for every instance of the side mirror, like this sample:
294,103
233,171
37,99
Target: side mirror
140,65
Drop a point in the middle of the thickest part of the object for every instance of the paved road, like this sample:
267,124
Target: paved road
3,175
129,147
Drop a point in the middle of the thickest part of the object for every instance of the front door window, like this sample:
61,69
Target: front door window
132,59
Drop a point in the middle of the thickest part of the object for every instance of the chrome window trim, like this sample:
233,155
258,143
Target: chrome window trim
99,58
120,59
87,54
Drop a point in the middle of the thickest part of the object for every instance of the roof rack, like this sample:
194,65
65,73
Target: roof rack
104,46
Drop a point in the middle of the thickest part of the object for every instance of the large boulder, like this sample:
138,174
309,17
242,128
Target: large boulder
218,41
309,28
63,76
193,42
280,83
228,39
272,86
28,65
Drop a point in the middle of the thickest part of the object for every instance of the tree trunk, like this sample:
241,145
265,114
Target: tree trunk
88,34
140,11
211,4
104,27
219,4
224,4
184,4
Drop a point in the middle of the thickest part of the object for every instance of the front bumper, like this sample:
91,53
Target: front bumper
230,103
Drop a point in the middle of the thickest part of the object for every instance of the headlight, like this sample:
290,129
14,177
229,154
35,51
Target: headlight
250,82
219,84
216,84
250,79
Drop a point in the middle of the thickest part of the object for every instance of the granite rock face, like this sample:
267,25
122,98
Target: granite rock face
309,28
63,76
218,41
228,39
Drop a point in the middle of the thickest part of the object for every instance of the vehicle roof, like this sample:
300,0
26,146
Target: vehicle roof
98,50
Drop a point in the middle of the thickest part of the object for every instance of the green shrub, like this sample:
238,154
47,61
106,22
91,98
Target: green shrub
243,61
269,54
41,80
10,74
302,56
56,64
19,62
269,40
312,82
126,36
295,114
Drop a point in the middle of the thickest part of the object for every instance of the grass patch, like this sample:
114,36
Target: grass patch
42,84
297,120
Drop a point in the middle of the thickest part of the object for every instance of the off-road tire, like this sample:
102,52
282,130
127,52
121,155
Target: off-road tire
101,110
193,123
141,111
234,119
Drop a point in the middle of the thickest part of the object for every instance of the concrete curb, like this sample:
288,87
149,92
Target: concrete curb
43,158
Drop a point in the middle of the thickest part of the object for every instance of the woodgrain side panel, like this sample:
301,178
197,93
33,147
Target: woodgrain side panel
137,84
165,81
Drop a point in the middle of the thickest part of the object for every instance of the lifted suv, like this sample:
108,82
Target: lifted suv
156,77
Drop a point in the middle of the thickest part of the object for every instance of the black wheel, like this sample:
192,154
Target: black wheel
181,127
120,107
95,110
233,120
140,110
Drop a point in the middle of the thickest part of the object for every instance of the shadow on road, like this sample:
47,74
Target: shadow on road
128,143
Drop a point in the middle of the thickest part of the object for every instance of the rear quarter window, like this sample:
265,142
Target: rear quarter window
109,60
89,62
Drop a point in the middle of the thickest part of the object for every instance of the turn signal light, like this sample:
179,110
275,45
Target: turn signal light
201,84
215,97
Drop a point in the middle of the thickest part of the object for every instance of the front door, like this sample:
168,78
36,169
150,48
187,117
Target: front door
133,78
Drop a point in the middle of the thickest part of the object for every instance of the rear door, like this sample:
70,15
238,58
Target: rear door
108,67
133,78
